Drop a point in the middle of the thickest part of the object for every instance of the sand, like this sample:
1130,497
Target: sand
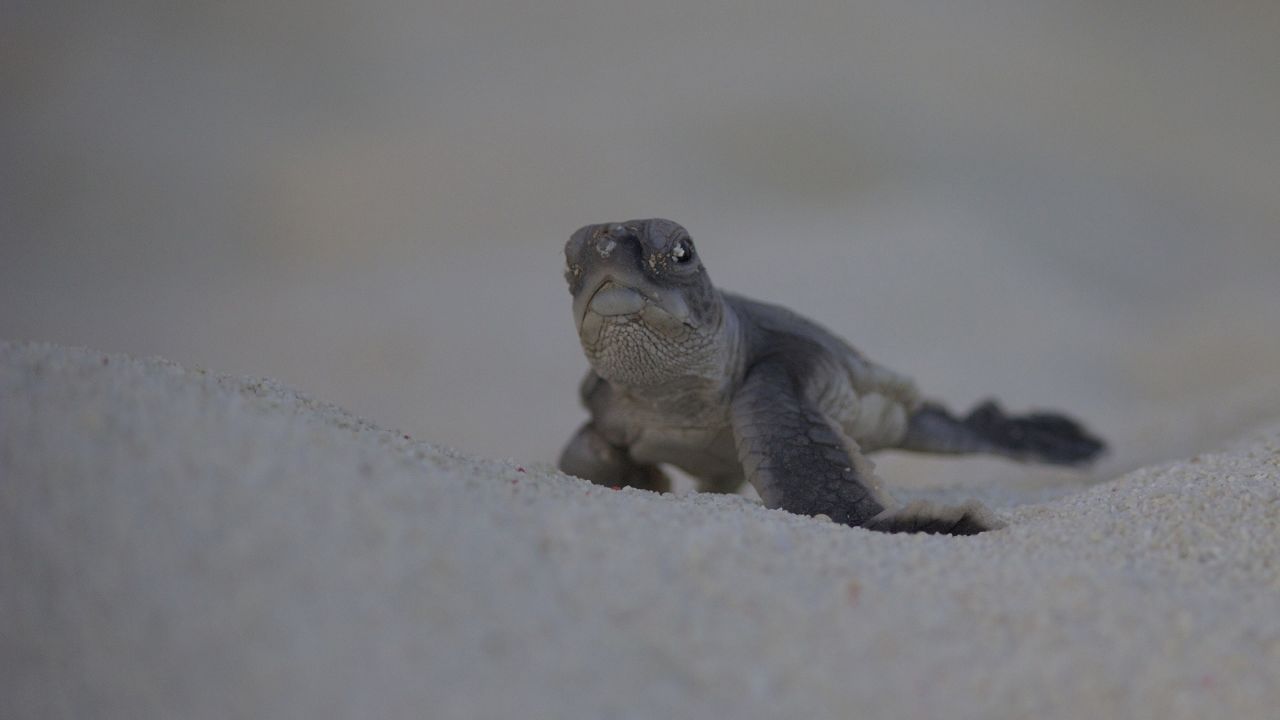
175,543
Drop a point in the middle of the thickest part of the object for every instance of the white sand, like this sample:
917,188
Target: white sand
178,544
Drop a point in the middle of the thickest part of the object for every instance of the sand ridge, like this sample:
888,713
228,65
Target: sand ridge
178,543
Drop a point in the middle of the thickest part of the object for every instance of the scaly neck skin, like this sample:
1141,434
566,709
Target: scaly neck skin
665,363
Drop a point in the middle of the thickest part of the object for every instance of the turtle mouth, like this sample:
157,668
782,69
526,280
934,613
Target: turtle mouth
611,299
625,302
614,300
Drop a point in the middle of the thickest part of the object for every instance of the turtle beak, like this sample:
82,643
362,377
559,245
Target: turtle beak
609,291
612,299
614,292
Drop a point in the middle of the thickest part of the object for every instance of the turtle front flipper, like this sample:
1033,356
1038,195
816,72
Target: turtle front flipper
799,461
590,457
922,516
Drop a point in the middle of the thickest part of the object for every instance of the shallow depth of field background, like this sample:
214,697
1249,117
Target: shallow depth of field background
1071,204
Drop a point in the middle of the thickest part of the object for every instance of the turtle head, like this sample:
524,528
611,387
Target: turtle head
642,301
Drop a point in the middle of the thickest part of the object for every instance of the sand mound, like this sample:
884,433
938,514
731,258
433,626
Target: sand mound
178,544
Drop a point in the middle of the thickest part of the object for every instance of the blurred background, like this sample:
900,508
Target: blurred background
1069,204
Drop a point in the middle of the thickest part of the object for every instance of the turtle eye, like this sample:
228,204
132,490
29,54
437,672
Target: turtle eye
682,252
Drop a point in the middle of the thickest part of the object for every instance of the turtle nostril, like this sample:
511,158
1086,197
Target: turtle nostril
607,240
605,246
615,234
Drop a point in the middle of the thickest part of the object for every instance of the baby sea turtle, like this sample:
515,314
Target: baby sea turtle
730,389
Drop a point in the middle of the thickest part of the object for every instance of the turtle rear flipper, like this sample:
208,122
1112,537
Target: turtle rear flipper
1042,437
922,516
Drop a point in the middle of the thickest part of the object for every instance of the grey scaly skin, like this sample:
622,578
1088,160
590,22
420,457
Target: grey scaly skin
733,390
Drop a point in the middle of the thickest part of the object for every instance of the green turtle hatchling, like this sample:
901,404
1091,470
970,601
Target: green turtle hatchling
732,390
